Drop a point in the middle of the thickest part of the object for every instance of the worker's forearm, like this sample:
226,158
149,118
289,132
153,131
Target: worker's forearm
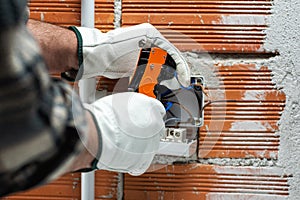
59,45
59,49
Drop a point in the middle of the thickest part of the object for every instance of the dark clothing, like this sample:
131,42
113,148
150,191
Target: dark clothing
42,122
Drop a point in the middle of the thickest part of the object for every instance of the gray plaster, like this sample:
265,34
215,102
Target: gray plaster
283,37
254,162
117,13
117,24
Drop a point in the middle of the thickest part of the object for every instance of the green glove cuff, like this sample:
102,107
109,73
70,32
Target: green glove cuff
73,74
80,44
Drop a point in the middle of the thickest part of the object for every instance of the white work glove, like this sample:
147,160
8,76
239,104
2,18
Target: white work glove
130,126
115,54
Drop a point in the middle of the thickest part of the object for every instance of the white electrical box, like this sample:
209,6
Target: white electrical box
178,149
175,143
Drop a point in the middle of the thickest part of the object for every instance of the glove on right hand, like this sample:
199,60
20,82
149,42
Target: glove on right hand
130,125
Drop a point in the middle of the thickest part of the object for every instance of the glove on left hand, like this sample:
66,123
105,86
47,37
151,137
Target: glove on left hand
115,54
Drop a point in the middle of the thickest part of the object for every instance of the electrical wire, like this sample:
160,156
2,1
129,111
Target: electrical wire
183,107
170,119
216,101
202,89
169,106
176,76
174,93
169,111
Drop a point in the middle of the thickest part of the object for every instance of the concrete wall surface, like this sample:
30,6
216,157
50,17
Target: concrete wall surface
284,36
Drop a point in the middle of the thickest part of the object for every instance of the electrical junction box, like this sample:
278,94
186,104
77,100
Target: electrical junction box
182,132
175,143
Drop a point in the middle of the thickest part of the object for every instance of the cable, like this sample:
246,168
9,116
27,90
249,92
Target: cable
170,119
169,111
202,89
176,76
169,106
184,108
216,101
174,93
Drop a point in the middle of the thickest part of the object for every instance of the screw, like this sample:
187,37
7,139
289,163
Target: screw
171,133
177,134
142,43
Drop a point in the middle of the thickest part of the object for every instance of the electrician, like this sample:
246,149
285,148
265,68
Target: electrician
45,130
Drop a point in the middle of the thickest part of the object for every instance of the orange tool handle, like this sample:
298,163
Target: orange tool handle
149,79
